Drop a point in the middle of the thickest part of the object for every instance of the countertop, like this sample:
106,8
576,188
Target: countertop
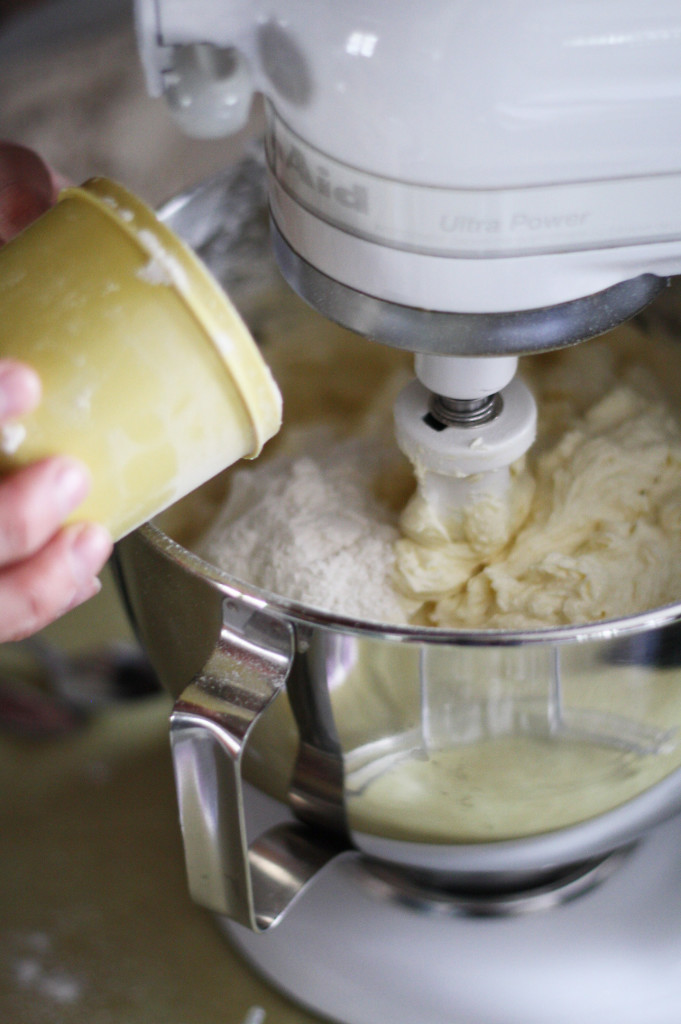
96,926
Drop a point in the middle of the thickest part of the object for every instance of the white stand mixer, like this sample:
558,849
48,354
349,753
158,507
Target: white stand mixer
469,181
459,179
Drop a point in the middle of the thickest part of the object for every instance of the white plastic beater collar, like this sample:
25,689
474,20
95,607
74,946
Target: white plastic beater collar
463,451
458,466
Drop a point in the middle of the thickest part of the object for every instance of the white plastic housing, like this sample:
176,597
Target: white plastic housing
464,451
612,956
464,377
458,156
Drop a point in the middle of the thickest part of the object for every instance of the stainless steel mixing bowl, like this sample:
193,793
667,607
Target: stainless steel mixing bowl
486,760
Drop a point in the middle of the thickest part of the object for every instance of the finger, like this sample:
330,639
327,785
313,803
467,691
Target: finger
20,389
60,576
34,502
27,188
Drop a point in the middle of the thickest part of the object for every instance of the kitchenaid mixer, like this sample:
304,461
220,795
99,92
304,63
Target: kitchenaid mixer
454,256
466,180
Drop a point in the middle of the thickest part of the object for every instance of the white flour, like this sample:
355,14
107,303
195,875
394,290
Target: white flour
309,527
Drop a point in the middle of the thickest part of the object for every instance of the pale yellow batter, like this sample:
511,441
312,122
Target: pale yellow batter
602,534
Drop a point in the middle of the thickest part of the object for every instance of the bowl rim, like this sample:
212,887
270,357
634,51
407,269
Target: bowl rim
296,611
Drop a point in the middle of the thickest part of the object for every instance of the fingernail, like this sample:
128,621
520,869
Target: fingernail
71,485
90,548
19,389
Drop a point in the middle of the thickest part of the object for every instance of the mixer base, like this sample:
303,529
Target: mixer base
355,951
549,890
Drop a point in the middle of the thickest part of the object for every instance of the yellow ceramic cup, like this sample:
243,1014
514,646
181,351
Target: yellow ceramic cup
149,374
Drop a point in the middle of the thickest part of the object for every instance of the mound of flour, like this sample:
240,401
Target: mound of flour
310,527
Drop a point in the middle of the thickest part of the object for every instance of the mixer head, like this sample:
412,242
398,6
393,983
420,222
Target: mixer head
453,179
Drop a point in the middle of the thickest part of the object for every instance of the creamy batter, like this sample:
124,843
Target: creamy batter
515,785
591,530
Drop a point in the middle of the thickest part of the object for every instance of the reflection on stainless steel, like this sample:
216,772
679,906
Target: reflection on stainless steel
508,900
209,726
225,221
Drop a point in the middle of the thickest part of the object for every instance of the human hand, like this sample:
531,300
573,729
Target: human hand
45,568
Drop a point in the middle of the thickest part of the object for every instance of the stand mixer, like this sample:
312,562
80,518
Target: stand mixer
470,182
465,181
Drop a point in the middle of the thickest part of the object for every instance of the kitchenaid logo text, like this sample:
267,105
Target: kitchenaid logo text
295,167
470,223
298,168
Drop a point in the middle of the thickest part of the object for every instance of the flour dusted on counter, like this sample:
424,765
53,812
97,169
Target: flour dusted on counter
595,527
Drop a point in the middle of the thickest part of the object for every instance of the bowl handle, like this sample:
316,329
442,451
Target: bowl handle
252,884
